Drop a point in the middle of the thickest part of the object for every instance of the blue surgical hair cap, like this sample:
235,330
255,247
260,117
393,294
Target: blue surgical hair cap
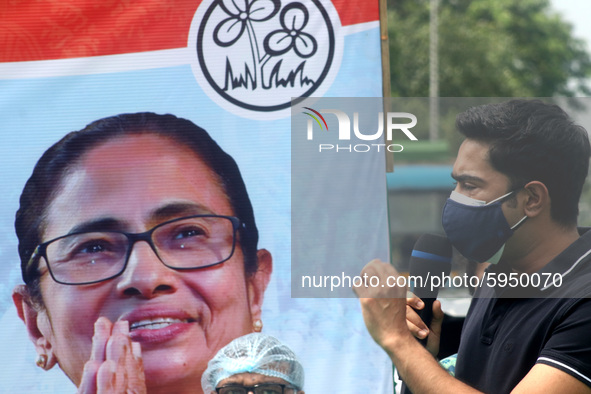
253,353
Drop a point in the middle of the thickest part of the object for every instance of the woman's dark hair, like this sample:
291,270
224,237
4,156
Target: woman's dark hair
534,141
49,172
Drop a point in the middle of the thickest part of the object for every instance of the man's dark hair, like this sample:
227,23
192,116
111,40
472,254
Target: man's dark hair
534,141
49,172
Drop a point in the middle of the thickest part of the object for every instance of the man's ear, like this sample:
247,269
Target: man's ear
37,323
537,198
258,281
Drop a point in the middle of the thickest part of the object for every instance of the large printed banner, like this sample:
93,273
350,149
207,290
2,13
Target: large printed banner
232,67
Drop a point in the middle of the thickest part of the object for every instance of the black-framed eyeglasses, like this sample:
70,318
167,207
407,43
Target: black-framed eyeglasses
263,388
185,243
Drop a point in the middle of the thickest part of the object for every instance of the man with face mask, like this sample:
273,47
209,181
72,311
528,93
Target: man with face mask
519,172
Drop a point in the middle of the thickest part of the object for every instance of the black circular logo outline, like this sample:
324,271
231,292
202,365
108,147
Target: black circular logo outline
308,93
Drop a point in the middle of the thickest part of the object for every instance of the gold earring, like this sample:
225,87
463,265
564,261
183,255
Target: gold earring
257,325
41,361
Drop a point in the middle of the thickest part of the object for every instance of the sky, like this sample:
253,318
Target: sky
577,13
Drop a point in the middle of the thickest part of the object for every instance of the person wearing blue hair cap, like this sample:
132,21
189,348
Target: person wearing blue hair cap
254,363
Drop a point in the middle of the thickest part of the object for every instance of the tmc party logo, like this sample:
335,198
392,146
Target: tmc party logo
258,54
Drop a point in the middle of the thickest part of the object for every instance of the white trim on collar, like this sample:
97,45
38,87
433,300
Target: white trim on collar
572,267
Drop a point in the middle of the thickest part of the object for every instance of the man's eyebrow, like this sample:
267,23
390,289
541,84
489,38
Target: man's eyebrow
466,178
99,224
178,209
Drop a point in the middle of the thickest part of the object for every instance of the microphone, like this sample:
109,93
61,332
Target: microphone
431,256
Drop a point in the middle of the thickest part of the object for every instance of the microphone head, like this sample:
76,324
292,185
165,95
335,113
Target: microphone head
431,256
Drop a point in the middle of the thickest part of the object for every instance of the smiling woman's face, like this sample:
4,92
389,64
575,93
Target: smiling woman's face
134,183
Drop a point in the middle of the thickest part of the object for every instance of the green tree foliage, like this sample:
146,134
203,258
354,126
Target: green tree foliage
487,48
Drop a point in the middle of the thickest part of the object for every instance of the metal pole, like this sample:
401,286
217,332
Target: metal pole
433,71
386,90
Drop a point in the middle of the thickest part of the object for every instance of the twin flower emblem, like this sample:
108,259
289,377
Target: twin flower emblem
243,13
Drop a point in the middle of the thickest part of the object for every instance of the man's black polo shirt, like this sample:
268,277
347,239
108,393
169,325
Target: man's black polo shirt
503,337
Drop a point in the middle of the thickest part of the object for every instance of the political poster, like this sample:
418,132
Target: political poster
234,68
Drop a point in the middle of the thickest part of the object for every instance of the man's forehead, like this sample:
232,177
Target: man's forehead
472,157
247,378
473,164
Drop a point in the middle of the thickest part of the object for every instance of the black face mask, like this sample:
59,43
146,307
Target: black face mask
478,230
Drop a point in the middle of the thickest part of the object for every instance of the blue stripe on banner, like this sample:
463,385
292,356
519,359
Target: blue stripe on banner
430,256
